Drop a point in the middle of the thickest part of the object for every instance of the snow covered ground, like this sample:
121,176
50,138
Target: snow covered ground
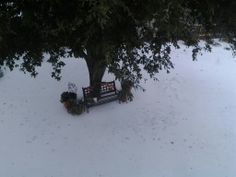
182,126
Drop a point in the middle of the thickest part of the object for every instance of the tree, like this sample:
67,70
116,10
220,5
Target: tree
123,36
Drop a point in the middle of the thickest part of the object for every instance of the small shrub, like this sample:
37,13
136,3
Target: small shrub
69,99
65,96
125,94
74,108
1,73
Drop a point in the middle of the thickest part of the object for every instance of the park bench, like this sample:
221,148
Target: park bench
108,93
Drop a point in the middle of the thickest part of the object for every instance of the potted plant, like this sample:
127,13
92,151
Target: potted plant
72,105
125,93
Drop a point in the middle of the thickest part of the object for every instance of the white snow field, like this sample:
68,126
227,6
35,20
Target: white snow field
184,125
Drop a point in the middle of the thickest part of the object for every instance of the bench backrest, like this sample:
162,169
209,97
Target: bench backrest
105,88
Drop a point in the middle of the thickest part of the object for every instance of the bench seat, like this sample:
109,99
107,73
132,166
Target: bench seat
108,93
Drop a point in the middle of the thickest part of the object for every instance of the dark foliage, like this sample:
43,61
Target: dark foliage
72,105
66,96
124,36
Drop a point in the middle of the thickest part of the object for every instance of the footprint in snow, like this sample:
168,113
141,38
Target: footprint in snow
34,138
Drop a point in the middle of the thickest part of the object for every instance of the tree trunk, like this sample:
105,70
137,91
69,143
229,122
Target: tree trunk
96,62
96,68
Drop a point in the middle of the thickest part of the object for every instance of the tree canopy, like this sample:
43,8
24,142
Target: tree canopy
123,36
